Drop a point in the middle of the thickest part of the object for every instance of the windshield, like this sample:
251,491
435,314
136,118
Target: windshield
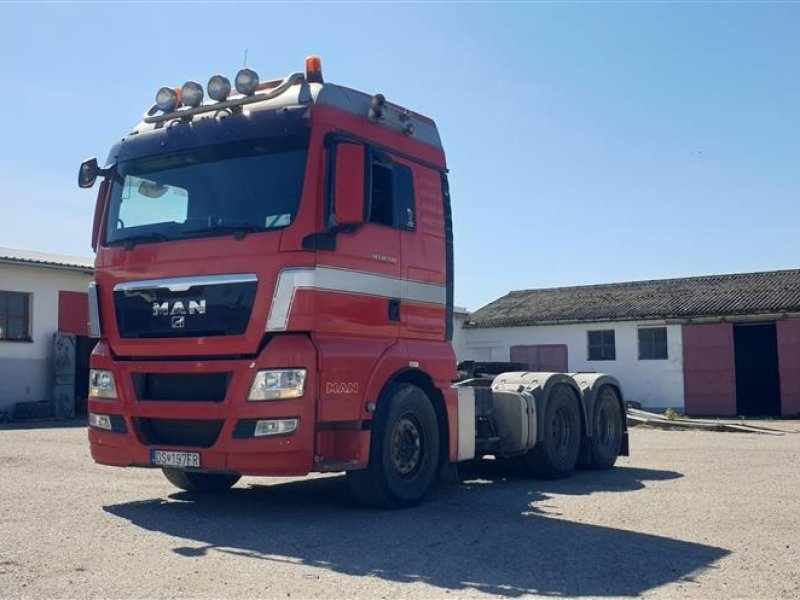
217,190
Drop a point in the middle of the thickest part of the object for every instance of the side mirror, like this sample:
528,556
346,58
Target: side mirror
88,173
349,184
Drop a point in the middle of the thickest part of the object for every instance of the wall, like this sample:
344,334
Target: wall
656,384
25,367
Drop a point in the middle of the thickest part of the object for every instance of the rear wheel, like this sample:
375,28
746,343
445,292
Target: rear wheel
404,451
607,428
193,481
556,454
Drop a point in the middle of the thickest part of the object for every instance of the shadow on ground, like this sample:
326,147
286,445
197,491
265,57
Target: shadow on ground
489,533
44,424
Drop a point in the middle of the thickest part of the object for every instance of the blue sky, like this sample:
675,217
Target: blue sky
587,142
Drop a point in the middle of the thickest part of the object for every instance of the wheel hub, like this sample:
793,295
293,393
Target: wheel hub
406,445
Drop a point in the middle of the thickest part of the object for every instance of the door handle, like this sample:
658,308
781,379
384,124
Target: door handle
394,309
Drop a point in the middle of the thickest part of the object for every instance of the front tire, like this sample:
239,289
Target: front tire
556,455
404,450
197,482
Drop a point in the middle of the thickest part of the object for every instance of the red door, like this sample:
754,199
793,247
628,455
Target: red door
73,312
789,366
709,370
542,357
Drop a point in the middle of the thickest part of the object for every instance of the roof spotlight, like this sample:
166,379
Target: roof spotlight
192,93
218,88
247,82
167,99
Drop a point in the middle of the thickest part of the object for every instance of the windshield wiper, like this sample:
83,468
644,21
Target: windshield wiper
131,241
239,230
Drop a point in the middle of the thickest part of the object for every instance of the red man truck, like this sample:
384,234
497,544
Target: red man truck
273,295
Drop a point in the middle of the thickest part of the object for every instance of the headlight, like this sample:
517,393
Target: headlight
192,93
278,384
101,384
218,88
167,99
246,82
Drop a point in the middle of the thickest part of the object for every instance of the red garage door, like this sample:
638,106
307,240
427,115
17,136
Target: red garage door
789,365
73,312
709,370
542,357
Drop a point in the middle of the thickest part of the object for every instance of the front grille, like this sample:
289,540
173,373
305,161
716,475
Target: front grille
181,387
204,309
178,432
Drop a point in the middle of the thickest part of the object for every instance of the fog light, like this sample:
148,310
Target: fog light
275,427
219,88
192,93
247,82
167,99
100,421
101,384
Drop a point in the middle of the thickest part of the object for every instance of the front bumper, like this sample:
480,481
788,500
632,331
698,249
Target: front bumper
233,449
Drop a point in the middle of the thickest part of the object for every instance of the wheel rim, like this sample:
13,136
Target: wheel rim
561,432
407,446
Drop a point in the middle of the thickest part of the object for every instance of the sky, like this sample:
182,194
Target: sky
586,142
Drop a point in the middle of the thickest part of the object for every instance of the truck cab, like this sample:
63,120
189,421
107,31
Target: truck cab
274,290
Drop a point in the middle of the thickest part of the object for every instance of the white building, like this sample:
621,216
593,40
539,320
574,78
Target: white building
40,294
720,345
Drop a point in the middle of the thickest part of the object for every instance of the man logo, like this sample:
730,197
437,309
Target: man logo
178,308
336,387
178,322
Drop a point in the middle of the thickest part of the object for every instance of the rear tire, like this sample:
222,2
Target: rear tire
404,451
193,481
607,428
556,455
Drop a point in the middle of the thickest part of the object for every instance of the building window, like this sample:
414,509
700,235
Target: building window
653,343
601,345
14,316
391,198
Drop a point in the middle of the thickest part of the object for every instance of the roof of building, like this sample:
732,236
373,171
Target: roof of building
56,261
772,292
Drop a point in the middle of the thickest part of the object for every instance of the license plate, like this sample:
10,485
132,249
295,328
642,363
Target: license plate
168,458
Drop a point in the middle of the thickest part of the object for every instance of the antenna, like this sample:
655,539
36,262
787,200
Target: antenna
244,64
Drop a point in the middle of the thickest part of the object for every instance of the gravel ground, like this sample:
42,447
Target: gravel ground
690,514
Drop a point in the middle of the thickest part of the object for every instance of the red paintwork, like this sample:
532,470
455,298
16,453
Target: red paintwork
709,370
789,366
72,310
345,338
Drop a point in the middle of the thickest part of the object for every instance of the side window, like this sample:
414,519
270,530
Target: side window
653,343
15,316
602,345
380,197
391,193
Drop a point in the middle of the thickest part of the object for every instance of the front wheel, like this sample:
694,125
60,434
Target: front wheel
404,451
556,455
193,481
